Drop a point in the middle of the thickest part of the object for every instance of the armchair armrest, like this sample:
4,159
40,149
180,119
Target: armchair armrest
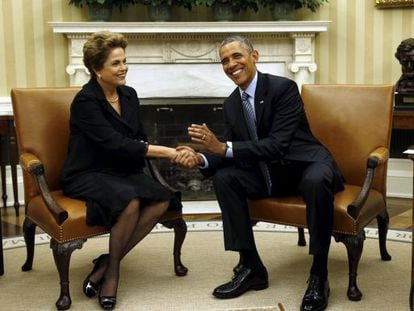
378,157
156,174
34,166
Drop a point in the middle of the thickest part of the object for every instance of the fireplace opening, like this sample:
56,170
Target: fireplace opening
166,122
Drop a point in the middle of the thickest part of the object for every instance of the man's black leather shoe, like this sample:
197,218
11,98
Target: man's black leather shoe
316,295
243,281
239,268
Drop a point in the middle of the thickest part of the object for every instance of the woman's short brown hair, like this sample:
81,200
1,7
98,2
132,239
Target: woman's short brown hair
97,48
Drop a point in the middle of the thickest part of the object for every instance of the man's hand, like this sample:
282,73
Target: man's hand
185,156
201,134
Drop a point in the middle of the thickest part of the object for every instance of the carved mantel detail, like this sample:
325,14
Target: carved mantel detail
303,64
186,53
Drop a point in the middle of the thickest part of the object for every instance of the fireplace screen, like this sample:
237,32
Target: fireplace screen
167,125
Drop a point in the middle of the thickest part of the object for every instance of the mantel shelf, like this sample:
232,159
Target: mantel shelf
188,51
192,27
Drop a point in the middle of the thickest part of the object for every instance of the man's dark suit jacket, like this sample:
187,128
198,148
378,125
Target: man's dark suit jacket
282,128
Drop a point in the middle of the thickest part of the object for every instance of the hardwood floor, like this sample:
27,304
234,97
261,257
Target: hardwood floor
400,211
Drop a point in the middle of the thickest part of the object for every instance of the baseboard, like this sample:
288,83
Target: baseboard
201,207
5,106
400,178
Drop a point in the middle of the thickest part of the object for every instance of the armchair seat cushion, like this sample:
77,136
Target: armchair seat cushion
292,210
73,228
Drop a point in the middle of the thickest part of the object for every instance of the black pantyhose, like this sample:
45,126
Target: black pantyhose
131,227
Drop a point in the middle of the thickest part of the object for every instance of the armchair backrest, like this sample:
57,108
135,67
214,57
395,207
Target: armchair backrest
352,121
42,128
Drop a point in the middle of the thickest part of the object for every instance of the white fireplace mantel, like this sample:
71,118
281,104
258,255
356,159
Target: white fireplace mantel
180,59
190,27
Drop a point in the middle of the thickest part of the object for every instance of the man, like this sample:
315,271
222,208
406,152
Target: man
269,150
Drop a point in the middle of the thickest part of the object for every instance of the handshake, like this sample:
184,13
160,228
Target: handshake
201,134
186,157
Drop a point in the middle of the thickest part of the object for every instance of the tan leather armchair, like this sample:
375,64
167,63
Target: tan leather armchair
354,122
42,128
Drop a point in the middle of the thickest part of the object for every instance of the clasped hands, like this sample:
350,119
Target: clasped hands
187,157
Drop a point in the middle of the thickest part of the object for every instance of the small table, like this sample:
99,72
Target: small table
410,154
1,248
403,120
8,155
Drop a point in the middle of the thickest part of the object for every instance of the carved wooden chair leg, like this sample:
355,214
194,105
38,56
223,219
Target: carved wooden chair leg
15,194
354,245
301,237
383,220
29,229
3,183
14,160
180,231
62,254
1,248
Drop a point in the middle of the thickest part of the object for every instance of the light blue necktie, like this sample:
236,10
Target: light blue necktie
251,126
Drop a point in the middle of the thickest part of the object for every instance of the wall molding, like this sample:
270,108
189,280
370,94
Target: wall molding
6,106
400,178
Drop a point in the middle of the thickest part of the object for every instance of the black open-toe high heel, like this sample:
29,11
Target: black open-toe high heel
106,302
90,289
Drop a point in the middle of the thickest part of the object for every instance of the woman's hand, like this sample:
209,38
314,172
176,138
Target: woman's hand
185,156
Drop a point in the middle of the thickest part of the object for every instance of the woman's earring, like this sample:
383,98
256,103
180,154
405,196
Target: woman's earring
99,76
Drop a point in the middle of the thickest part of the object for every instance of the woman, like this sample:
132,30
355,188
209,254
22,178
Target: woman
105,162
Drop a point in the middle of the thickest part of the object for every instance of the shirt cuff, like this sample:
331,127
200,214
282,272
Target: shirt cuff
229,149
205,161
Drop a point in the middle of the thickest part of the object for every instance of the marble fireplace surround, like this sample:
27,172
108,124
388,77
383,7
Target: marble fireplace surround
178,62
180,59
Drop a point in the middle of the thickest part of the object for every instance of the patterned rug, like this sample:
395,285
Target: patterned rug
148,281
204,226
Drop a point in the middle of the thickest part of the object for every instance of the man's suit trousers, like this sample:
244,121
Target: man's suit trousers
313,180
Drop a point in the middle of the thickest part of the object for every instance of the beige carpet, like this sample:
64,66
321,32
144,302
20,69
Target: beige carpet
148,282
